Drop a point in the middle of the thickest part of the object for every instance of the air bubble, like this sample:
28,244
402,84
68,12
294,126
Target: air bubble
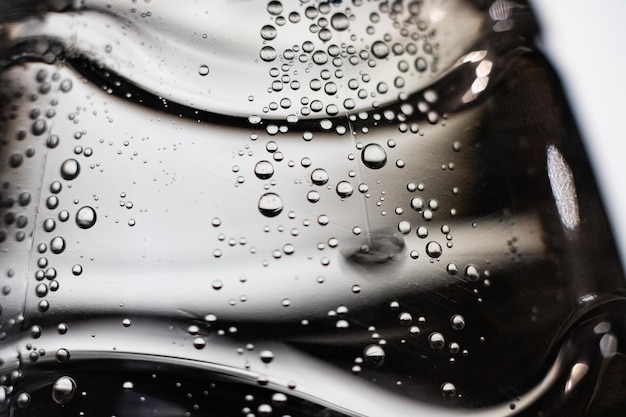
270,204
203,70
268,32
57,245
63,390
264,170
319,176
313,196
374,355
433,249
374,156
344,189
380,49
86,217
404,227
339,22
448,390
70,169
266,356
457,322
62,355
268,53
472,272
436,340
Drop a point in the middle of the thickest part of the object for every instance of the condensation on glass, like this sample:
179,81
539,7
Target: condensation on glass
295,208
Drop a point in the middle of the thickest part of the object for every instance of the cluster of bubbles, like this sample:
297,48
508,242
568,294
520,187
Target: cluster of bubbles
327,70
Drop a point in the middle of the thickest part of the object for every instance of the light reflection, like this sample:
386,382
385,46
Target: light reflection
563,188
577,373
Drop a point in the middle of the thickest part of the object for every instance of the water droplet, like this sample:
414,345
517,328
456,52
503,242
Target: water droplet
457,322
128,385
203,70
66,85
274,7
270,204
85,217
452,269
62,355
39,127
380,49
433,249
344,189
472,272
374,156
436,340
339,21
421,64
313,196
448,390
374,355
405,318
266,356
268,32
63,390
199,343
57,244
268,53
77,269
70,169
404,227
319,176
23,400
264,170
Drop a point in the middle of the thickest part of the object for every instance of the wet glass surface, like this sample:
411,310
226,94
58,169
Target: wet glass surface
297,208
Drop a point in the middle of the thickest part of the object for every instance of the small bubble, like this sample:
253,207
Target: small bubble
268,53
266,356
448,390
457,322
339,22
436,340
313,196
472,272
62,355
86,217
274,7
319,176
23,400
268,32
203,70
374,355
405,318
404,227
199,342
264,170
380,49
57,245
374,156
63,390
70,169
344,189
270,205
433,249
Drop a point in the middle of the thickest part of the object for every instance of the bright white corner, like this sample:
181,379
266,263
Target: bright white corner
585,42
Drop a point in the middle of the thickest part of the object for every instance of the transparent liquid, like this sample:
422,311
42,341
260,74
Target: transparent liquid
304,209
